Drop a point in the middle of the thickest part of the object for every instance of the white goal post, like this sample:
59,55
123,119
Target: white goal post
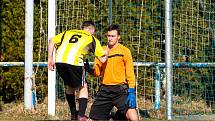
51,74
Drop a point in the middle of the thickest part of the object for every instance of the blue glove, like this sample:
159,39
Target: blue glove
131,98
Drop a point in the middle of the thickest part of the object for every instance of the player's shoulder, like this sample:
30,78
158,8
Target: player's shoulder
123,47
79,32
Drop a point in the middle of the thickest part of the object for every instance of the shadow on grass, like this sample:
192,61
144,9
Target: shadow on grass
144,113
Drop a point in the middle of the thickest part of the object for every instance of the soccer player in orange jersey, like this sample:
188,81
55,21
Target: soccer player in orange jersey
117,83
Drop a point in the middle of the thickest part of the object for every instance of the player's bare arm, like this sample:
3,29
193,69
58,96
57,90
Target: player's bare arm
50,55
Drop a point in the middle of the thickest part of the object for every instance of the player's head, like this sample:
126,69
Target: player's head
114,27
89,26
113,35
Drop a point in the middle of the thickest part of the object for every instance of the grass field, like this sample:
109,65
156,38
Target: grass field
16,111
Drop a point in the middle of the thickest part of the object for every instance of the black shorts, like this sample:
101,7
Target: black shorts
73,76
106,98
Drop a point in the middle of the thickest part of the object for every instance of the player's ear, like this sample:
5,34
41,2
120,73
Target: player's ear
92,30
119,37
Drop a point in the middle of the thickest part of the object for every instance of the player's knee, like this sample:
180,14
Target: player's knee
83,92
132,115
133,118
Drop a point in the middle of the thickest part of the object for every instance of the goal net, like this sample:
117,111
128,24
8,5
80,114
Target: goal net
143,32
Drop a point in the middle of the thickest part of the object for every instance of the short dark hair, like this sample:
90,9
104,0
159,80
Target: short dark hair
114,27
87,24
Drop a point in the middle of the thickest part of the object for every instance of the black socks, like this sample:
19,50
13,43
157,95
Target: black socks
71,101
82,106
72,105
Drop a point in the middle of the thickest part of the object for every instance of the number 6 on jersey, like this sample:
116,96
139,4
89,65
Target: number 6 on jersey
74,38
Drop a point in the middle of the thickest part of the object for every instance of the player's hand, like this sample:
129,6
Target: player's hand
107,50
51,65
131,98
87,67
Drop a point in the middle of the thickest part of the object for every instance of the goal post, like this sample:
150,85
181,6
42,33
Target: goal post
29,12
51,74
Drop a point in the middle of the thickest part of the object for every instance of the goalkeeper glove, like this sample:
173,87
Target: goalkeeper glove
131,98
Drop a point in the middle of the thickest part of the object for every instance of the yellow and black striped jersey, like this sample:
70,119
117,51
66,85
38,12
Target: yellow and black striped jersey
72,45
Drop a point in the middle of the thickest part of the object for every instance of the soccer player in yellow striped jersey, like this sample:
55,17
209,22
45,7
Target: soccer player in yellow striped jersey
72,46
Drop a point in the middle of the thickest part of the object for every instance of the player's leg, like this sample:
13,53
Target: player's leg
70,97
120,102
72,76
123,112
102,105
83,99
132,115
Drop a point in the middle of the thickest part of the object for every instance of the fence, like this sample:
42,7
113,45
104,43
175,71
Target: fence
143,32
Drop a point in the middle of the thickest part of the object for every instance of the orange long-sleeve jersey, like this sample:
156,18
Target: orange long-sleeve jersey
118,69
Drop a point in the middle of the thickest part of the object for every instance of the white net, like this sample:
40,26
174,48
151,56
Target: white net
143,32
193,46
